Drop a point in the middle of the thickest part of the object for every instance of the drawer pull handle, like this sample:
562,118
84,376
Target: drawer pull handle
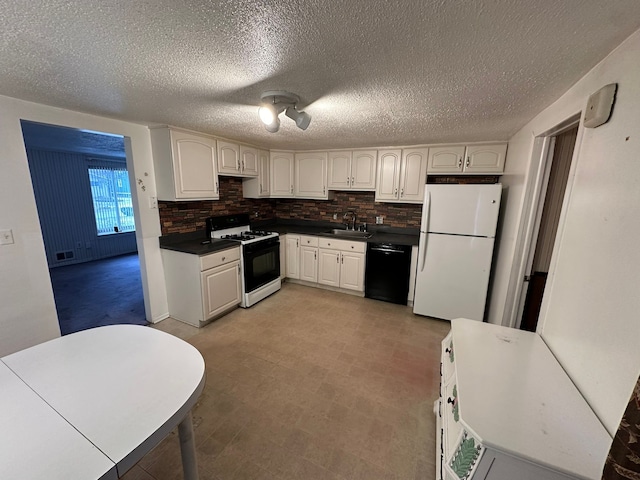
447,350
451,401
224,258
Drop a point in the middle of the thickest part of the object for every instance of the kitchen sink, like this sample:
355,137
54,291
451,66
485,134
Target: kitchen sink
339,232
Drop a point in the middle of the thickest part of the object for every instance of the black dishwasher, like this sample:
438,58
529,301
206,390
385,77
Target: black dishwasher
387,272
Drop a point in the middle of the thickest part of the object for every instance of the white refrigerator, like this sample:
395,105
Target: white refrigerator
457,234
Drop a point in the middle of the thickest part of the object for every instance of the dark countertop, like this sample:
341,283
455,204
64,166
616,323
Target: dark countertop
398,236
192,243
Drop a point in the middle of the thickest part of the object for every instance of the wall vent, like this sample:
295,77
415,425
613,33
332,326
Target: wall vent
61,256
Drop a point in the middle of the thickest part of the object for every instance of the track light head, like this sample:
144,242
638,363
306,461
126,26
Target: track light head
274,126
274,102
302,119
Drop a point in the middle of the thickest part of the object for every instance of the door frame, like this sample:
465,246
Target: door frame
539,171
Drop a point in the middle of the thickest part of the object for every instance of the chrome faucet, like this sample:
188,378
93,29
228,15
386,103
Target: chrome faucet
352,223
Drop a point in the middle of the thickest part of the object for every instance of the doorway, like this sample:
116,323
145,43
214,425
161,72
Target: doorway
561,147
83,198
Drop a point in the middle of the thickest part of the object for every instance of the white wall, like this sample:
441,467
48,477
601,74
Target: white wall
27,309
590,310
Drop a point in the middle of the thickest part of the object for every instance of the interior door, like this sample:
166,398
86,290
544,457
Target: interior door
550,207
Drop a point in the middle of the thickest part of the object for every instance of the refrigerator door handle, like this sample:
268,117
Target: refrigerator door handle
423,253
425,227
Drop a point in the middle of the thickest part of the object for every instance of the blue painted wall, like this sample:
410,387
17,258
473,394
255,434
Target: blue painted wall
58,161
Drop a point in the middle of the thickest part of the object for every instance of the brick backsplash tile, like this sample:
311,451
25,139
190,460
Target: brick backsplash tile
183,217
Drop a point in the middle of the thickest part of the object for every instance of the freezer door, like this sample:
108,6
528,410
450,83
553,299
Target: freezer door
453,278
462,209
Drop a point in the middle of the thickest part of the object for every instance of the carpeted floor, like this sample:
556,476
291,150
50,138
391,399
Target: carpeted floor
93,294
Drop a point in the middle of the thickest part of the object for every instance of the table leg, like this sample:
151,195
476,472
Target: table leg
188,448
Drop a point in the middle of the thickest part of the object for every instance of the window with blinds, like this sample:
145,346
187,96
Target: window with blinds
111,200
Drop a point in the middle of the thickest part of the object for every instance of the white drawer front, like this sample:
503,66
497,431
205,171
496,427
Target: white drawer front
451,418
344,245
219,258
464,459
308,241
448,359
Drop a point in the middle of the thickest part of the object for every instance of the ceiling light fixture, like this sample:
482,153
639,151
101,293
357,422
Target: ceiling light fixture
274,102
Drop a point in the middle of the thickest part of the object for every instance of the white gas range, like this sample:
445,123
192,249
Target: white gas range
259,259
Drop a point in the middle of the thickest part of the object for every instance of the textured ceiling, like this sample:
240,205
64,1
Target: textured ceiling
370,72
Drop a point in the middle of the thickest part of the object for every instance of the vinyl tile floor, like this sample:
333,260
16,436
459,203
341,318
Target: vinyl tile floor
311,384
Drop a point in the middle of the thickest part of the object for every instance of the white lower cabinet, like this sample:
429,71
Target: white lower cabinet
283,256
333,263
308,258
329,267
293,256
201,288
507,410
342,264
220,289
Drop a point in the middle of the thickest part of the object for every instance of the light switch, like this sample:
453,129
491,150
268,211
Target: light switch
153,202
6,237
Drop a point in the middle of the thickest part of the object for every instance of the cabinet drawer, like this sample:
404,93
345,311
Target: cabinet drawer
451,419
307,241
448,359
344,245
219,258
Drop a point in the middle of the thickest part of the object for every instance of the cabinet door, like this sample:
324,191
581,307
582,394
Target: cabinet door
248,161
228,158
281,174
485,158
352,271
363,170
220,289
388,174
283,256
445,159
293,256
329,267
264,173
339,170
311,175
309,264
413,175
194,165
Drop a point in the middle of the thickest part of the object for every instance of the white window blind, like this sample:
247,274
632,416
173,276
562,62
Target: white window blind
111,200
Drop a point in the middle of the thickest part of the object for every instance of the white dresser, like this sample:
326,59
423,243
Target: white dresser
507,410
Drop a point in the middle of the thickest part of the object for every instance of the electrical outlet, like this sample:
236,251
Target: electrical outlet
335,216
153,202
379,220
6,237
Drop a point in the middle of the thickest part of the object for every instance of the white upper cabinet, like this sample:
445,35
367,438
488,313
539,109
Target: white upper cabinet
472,159
249,161
237,160
281,174
388,174
311,175
352,170
446,159
260,186
340,170
185,165
363,169
228,158
402,175
485,158
413,175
